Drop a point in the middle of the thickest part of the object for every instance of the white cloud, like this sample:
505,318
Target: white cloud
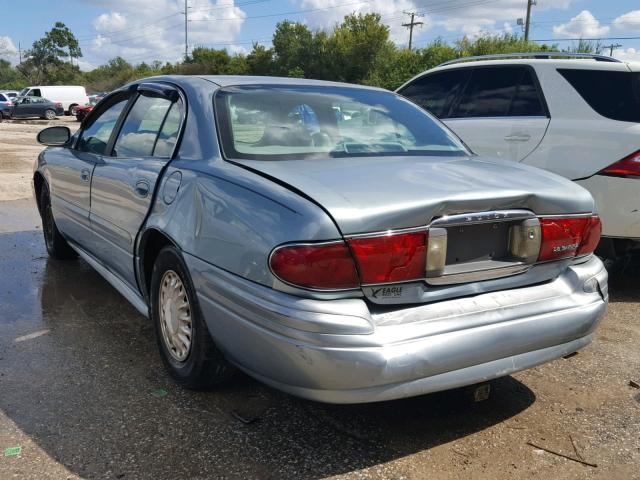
391,11
628,55
145,30
8,50
84,65
583,25
465,17
7,47
109,22
628,21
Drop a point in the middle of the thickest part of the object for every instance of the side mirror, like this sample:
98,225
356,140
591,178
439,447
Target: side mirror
54,136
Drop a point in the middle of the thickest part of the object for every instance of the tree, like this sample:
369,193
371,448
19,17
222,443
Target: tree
44,62
355,46
260,61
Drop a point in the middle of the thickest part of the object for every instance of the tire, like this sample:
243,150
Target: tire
72,110
57,246
200,365
49,114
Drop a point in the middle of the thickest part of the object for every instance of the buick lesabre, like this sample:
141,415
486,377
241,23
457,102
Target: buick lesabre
333,241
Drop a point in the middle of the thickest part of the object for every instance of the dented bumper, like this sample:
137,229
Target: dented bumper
347,351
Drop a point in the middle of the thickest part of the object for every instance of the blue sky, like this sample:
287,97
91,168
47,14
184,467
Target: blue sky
144,30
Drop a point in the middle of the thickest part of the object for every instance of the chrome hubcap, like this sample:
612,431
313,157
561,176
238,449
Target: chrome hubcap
175,316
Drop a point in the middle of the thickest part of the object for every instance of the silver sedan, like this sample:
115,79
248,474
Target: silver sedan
331,240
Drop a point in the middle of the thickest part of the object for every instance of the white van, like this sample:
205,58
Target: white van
69,96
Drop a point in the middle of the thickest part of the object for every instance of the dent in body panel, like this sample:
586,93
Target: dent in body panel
234,226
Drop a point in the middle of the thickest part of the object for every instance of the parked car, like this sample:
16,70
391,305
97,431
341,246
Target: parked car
9,93
577,117
28,107
6,104
352,260
82,112
70,96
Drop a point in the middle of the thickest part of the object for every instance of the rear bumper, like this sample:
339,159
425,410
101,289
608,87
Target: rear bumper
340,351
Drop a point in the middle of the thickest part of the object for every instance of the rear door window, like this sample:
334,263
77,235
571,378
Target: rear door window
500,92
2,98
142,127
527,101
612,94
436,92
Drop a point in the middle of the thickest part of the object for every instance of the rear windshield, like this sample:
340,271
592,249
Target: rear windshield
291,122
615,95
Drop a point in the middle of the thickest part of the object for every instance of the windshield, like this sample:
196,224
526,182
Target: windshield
294,122
23,92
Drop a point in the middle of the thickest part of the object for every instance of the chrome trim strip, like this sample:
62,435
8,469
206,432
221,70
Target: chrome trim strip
573,215
488,274
482,217
388,233
125,290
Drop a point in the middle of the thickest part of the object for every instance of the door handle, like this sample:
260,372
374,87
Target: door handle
85,174
142,188
518,137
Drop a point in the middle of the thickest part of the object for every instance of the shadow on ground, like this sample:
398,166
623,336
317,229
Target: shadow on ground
90,391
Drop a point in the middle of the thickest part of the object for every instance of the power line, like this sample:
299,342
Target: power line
611,47
411,25
584,39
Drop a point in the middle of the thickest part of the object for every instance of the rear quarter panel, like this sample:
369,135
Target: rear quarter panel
233,219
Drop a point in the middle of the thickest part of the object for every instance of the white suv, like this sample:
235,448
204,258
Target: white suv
578,117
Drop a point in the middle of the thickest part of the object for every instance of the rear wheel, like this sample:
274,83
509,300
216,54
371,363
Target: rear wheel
49,114
73,109
186,347
57,246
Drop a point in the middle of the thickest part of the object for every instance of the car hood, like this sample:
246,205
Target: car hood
368,194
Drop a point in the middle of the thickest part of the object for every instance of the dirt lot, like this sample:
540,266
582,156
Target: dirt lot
84,394
18,149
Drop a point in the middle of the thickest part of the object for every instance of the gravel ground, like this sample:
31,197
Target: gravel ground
84,394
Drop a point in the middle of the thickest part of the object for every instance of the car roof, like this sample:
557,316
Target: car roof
232,80
554,62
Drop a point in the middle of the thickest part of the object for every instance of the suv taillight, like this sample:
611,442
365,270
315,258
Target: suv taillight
628,166
566,237
58,105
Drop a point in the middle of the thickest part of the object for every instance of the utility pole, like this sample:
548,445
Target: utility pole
186,30
19,53
411,24
527,23
611,47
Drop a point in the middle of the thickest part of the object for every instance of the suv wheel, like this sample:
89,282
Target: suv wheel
186,347
49,114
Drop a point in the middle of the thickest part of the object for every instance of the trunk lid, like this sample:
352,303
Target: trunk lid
372,194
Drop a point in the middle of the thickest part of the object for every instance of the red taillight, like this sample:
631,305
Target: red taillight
568,236
379,259
591,237
58,105
391,258
323,266
628,166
